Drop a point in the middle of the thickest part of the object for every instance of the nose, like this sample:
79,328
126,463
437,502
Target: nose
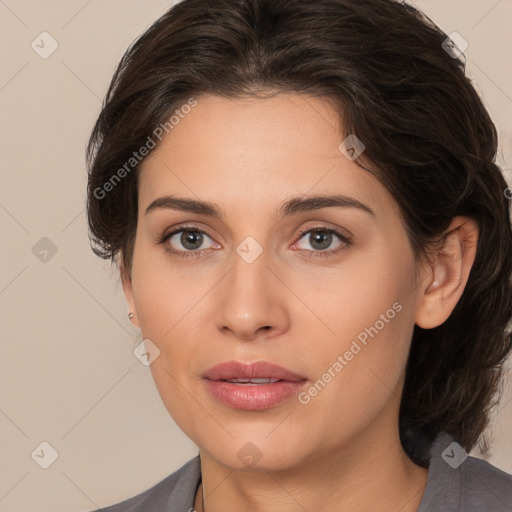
251,302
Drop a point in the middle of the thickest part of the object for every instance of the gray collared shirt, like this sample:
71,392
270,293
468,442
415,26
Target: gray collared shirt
456,483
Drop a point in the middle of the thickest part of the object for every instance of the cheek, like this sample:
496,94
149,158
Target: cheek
168,302
370,291
369,312
167,317
358,374
160,292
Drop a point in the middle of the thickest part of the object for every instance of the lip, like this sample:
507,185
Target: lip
252,397
257,370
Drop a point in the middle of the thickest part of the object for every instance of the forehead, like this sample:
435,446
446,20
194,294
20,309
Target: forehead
256,152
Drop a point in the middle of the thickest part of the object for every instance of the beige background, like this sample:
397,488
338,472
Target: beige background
68,373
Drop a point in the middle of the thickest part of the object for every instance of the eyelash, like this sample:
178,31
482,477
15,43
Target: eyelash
346,242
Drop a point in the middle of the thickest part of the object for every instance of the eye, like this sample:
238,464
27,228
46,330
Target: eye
321,238
191,240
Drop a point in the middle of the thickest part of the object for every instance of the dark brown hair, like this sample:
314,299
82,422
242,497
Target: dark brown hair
428,138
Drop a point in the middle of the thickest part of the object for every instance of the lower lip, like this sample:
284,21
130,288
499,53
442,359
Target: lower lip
255,397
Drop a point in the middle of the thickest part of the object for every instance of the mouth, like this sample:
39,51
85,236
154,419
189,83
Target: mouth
260,372
254,386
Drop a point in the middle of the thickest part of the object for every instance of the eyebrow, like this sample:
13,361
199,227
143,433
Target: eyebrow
290,207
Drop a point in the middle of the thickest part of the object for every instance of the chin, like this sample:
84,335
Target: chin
256,452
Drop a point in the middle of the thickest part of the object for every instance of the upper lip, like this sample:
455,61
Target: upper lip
258,370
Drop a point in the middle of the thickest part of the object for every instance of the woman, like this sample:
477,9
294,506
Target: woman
315,243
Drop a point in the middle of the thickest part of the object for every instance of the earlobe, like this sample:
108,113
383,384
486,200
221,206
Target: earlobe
128,293
448,275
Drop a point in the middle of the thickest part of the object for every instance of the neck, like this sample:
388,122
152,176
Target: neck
363,476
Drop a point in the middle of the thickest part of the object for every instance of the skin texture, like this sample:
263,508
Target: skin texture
341,450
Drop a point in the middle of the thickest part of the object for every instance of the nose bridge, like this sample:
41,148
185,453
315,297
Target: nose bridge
251,298
248,283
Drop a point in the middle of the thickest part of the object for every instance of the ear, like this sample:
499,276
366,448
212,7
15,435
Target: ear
128,293
448,273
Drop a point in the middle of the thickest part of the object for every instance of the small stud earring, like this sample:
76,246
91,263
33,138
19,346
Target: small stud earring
131,314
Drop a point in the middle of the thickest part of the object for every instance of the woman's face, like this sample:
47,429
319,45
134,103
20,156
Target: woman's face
336,310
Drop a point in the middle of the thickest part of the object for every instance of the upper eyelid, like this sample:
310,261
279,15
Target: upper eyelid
179,228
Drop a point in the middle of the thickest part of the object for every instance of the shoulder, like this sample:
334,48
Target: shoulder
458,482
485,485
176,492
